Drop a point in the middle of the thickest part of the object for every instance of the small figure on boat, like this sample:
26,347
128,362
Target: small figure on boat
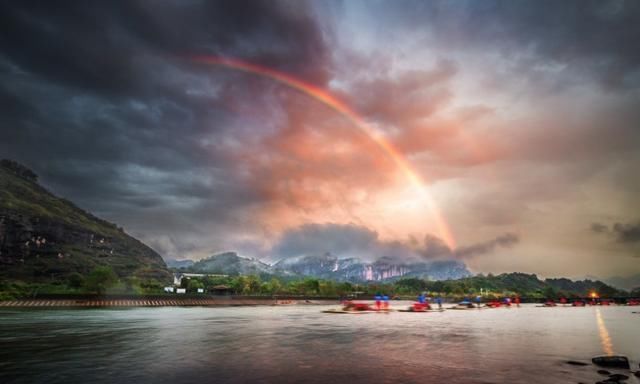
517,301
439,302
385,302
421,305
378,299
478,301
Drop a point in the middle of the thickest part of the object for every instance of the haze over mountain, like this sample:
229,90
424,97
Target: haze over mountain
331,267
502,134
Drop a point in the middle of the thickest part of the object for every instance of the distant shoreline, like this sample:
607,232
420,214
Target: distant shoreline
104,302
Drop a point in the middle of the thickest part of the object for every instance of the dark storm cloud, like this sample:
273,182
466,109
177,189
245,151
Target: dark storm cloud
101,47
353,240
99,99
594,37
627,233
599,228
339,239
506,240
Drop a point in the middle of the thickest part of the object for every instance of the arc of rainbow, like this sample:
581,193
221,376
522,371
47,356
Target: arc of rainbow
343,109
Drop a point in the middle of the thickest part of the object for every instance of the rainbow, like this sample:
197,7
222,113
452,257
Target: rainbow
343,109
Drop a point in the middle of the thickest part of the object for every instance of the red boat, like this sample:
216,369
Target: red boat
351,306
578,303
633,302
494,304
420,307
605,302
549,303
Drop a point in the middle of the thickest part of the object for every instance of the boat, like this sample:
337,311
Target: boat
633,302
464,305
410,309
419,307
351,307
342,311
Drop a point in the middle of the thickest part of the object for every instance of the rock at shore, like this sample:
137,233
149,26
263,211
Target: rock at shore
604,372
612,361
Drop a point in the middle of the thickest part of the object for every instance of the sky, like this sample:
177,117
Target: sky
505,134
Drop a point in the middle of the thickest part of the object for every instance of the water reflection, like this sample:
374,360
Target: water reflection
301,344
605,339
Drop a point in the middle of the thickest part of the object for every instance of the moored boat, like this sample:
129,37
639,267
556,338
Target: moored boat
464,305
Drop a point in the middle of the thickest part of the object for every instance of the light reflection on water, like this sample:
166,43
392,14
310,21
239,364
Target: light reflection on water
605,339
299,343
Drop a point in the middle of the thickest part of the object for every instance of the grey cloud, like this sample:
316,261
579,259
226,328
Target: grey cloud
627,233
353,240
599,228
339,239
506,240
102,104
594,37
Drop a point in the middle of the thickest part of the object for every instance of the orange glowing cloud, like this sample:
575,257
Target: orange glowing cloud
302,149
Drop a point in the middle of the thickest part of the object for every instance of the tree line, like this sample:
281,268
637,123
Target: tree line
103,280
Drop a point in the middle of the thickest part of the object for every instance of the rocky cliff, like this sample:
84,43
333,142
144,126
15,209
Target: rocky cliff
45,238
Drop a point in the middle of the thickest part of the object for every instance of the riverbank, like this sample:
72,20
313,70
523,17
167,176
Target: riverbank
158,302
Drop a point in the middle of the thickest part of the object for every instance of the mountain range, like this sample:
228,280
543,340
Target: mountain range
328,266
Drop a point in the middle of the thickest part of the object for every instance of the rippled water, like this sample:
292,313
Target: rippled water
299,343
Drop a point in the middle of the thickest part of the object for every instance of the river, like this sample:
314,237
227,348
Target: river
301,344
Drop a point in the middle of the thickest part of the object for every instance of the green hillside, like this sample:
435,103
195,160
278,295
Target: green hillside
44,238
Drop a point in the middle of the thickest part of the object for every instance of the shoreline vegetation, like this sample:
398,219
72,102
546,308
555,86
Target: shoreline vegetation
159,301
103,283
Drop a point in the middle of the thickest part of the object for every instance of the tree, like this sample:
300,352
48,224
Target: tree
101,279
194,284
550,293
75,280
274,286
311,286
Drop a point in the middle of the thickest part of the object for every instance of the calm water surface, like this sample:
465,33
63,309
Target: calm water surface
301,344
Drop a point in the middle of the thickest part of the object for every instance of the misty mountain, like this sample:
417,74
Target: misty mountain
179,264
331,267
627,283
229,263
328,266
